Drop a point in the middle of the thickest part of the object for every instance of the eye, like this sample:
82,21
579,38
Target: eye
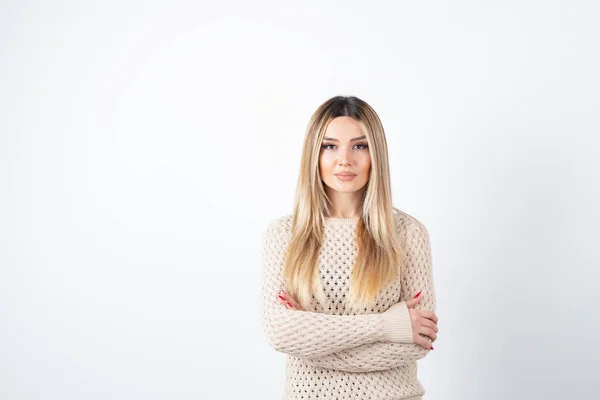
360,146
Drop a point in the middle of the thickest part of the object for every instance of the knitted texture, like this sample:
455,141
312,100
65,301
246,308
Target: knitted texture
333,353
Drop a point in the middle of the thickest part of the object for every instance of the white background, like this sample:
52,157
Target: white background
144,147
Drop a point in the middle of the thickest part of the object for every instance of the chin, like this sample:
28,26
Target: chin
348,188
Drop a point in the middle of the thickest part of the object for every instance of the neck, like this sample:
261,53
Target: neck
345,204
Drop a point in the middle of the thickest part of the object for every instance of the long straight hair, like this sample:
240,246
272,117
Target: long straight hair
380,256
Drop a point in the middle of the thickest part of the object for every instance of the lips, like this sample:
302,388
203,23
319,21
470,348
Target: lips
345,174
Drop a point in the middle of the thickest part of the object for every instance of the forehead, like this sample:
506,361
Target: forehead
343,128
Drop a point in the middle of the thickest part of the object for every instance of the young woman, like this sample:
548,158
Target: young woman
347,288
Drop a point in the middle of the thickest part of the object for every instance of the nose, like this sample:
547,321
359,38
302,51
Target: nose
344,157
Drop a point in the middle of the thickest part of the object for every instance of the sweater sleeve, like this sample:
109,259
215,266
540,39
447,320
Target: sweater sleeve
307,334
417,277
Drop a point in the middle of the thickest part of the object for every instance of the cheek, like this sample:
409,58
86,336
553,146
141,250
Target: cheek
322,167
326,160
366,164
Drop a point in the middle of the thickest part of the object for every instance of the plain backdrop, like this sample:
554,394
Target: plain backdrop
145,146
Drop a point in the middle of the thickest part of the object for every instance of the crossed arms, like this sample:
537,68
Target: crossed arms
352,343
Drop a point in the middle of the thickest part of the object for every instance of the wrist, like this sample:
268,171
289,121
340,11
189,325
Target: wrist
397,324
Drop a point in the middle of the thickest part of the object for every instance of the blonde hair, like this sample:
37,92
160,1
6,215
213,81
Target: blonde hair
380,255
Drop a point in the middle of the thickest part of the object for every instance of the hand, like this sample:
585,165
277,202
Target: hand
288,301
424,324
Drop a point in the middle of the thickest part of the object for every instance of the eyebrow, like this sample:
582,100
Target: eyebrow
352,140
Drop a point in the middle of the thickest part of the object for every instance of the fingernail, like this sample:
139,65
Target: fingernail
281,297
431,348
417,295
289,304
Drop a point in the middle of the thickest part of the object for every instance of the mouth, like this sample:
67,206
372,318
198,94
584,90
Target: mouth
345,177
345,173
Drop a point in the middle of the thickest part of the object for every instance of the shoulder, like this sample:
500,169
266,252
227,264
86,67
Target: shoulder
408,223
276,236
279,226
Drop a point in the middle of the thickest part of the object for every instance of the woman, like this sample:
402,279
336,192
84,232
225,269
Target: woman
347,288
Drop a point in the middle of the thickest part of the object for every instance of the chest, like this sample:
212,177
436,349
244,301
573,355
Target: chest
337,260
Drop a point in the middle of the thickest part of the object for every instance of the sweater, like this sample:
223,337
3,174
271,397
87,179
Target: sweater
331,352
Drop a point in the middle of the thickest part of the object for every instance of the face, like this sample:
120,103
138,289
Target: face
344,150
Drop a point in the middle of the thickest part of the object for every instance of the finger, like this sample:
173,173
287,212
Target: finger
281,299
295,305
412,302
423,330
292,300
429,315
289,305
430,324
422,341
285,303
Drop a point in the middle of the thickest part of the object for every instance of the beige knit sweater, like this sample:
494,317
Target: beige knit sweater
331,353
